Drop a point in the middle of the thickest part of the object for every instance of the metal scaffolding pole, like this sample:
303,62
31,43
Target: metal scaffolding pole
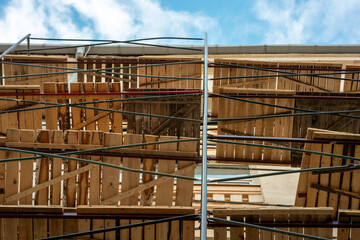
204,146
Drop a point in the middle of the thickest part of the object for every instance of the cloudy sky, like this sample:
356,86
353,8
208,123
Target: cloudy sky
228,22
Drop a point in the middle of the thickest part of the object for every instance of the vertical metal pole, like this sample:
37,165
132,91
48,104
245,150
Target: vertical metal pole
28,45
204,145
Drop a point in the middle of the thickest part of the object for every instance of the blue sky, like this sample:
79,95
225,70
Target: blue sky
228,22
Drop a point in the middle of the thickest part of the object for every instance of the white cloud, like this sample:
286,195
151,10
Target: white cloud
110,19
311,21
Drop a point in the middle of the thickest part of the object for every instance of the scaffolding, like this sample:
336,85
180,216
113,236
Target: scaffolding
272,87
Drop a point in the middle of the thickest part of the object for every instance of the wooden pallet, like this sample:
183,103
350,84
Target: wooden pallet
12,70
110,76
74,118
258,215
29,228
339,190
272,127
296,83
323,121
309,83
224,71
192,70
178,70
86,184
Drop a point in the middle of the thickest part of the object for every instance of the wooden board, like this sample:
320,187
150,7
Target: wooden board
110,181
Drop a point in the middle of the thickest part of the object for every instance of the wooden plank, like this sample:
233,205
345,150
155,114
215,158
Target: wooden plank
220,233
80,65
249,129
259,128
72,137
61,88
111,176
268,125
335,179
184,188
312,218
355,231
313,178
336,135
355,183
296,218
76,113
89,113
252,233
220,147
278,210
116,118
267,235
26,177
237,232
281,218
164,192
103,123
57,138
142,80
83,187
11,184
162,72
56,225
256,91
325,232
197,74
130,180
230,113
95,183
324,178
216,84
135,233
85,138
94,198
26,181
148,165
133,78
71,225
300,198
281,128
42,195
98,65
133,209
149,231
240,128
345,181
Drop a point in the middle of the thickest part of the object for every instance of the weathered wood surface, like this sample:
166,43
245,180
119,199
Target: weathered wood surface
338,190
53,61
103,183
270,127
272,215
131,213
323,121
